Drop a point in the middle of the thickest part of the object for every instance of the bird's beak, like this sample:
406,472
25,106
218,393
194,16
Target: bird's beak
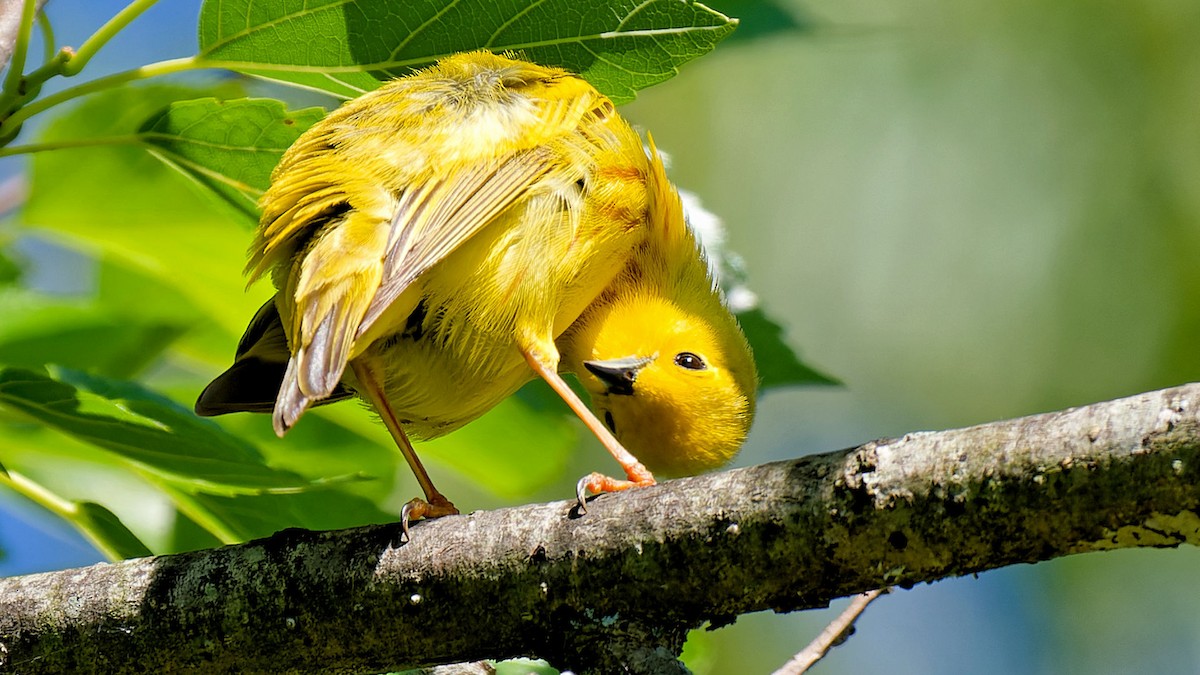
619,374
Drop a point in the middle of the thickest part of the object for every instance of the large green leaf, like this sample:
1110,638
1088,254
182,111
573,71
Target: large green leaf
134,296
79,482
119,200
322,444
229,147
620,46
151,432
40,329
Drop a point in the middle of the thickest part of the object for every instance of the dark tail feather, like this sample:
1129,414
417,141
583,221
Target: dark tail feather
252,383
249,386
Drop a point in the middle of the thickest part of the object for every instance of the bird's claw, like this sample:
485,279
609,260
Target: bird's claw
406,515
596,483
417,508
581,490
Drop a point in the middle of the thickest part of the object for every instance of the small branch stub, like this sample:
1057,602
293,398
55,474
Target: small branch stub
836,633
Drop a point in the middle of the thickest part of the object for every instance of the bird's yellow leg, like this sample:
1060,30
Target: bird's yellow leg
435,504
637,475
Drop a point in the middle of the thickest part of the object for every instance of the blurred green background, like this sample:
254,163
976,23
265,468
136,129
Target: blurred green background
965,211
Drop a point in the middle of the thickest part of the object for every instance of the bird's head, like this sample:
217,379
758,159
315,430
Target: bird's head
675,382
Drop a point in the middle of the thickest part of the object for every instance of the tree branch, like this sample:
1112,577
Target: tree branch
621,586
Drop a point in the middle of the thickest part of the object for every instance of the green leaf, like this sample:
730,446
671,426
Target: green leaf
96,522
74,472
778,365
119,200
149,431
40,329
619,46
107,531
230,147
253,516
70,479
763,18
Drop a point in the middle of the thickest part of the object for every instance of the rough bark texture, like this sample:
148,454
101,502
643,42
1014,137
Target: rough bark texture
616,590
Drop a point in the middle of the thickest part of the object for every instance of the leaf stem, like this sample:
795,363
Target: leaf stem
151,70
39,494
106,32
16,65
63,508
47,36
63,145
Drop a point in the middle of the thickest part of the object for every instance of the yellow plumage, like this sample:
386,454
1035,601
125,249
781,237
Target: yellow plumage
440,241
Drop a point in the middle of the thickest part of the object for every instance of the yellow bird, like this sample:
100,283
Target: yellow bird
444,239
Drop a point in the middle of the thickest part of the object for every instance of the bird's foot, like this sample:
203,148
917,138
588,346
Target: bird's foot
418,508
596,483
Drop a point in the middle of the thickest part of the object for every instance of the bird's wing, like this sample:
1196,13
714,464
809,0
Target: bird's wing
342,288
434,219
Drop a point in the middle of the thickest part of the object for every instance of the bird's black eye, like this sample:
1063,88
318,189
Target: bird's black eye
690,361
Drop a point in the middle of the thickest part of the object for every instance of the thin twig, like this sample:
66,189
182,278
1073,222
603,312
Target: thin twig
106,33
834,634
40,75
16,16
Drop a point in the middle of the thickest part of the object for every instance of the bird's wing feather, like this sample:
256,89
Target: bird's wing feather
432,221
331,286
